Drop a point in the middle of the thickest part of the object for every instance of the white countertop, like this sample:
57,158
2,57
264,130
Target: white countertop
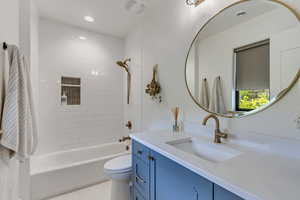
253,175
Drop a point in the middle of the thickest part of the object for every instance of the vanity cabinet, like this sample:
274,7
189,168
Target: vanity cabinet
172,181
156,177
222,194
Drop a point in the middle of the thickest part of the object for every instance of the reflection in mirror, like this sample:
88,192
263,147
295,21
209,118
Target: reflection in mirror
245,58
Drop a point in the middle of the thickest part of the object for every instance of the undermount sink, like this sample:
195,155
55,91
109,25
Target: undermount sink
203,149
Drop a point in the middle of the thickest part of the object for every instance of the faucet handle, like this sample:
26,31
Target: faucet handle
222,135
219,135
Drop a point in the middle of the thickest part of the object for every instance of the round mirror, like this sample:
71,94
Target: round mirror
245,58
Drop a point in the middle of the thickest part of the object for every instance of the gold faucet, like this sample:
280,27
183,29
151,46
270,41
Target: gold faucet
218,133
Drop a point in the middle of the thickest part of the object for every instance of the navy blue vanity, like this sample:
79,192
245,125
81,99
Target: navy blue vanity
156,177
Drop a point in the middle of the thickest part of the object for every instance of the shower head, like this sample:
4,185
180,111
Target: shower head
120,63
124,64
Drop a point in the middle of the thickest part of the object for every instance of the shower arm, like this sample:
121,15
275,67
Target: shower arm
125,66
128,82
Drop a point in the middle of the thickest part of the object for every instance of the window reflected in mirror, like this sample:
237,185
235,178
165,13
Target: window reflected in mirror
252,75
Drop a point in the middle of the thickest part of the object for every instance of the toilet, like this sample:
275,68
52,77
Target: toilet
119,170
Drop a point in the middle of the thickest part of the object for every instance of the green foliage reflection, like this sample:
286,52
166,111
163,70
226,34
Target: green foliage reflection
253,99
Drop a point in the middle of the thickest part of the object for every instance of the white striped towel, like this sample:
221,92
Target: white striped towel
18,122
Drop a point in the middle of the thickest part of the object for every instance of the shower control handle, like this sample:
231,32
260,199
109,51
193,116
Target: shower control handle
129,125
123,139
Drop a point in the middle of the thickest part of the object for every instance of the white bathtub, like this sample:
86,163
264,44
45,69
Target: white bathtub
62,172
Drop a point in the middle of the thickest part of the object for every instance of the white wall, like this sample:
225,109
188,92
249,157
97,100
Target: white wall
9,21
29,18
166,40
9,32
99,118
132,111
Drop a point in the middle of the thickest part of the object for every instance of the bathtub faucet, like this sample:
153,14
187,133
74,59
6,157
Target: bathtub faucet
124,139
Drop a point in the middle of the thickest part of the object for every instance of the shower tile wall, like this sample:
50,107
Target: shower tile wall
99,118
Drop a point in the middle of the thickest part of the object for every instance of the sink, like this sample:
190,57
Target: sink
205,149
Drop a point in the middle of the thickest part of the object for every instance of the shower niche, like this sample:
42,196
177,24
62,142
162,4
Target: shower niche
70,91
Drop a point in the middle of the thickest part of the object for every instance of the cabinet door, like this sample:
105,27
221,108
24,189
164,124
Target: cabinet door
141,177
222,194
138,196
171,181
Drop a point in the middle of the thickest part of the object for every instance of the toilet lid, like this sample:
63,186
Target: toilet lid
119,164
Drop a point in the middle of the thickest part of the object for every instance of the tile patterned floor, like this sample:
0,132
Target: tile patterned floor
97,192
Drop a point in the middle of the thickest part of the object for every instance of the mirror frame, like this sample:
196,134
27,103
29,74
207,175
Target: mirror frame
275,99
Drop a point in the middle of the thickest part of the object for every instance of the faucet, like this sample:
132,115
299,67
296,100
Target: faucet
218,133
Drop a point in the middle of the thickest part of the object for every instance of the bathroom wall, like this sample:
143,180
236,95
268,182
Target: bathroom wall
99,118
165,40
29,18
132,111
9,21
9,32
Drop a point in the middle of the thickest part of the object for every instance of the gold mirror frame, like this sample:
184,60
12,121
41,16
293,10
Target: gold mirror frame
275,99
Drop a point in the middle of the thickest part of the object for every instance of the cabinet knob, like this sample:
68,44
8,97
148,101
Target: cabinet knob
196,193
139,179
151,158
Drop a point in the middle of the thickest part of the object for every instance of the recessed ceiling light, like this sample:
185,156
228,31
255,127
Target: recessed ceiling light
82,37
89,19
241,13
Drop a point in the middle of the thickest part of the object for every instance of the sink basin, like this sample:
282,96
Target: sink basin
206,150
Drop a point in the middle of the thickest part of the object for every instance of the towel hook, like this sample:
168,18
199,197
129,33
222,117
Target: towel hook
4,46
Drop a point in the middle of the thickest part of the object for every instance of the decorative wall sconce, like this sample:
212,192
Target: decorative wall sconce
194,2
153,89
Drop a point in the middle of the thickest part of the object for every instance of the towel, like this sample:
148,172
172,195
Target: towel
217,104
204,95
4,74
18,120
4,153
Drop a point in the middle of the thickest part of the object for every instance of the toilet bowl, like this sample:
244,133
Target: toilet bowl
119,170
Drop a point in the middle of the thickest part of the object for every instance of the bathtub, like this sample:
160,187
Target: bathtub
63,172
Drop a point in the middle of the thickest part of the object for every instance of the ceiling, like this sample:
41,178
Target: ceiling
111,16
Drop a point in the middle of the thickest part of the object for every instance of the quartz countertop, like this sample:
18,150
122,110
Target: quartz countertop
253,175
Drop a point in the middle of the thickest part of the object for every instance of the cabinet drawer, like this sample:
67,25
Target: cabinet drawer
141,176
140,151
138,196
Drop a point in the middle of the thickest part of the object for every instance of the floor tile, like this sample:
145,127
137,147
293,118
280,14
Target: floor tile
96,192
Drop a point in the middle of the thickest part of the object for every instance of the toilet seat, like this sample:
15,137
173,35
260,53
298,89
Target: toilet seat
119,165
